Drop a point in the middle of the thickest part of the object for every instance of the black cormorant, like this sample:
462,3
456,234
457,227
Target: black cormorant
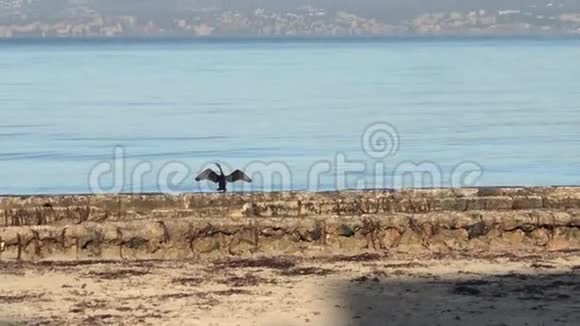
221,179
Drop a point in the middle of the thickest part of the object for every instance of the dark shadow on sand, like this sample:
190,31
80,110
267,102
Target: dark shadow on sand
511,300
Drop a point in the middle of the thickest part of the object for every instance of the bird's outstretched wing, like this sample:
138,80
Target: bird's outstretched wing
238,175
208,174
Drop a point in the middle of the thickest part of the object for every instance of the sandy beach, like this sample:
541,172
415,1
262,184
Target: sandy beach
367,289
482,257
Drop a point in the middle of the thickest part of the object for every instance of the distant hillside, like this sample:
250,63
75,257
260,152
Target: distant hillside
111,18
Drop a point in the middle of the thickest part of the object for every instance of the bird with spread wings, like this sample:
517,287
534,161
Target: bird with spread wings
221,179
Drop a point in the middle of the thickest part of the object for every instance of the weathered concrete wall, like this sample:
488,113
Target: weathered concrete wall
198,225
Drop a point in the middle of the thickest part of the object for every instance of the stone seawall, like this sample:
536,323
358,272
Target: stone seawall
155,226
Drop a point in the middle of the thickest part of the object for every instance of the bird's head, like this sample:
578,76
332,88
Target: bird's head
219,167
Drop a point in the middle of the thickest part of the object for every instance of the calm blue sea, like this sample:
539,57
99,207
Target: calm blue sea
507,109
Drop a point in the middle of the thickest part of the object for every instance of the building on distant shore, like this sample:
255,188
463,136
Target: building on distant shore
10,7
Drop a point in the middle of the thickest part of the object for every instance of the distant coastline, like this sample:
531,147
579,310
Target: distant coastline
92,19
294,39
